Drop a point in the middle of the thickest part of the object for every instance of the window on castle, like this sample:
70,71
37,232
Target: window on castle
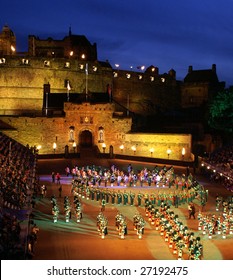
25,61
163,80
2,60
67,64
46,63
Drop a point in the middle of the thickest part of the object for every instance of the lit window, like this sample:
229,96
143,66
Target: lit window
67,64
152,78
81,66
46,63
128,76
115,75
94,68
83,56
162,80
2,60
25,61
12,48
139,77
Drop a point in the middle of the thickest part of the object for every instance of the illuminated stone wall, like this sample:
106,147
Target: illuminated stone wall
45,131
105,129
156,145
22,80
144,93
21,85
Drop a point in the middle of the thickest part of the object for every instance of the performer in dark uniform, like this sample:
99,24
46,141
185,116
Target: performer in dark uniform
98,195
152,199
113,196
119,197
139,199
125,196
92,191
132,196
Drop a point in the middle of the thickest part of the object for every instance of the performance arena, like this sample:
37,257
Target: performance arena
79,238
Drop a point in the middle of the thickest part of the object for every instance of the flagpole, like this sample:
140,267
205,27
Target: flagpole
68,90
86,70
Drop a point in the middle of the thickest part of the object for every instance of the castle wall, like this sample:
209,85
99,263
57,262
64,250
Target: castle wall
45,131
21,85
194,95
104,128
157,145
144,93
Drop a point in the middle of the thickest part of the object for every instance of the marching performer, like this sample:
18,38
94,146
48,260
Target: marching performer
139,196
132,196
125,198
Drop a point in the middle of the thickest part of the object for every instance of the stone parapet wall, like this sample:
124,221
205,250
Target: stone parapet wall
152,145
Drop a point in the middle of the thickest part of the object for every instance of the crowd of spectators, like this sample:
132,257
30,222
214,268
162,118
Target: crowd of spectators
17,180
220,166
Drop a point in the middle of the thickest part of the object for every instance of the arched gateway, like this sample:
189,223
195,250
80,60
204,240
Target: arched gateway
86,138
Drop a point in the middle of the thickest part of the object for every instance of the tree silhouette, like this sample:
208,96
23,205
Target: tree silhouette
221,111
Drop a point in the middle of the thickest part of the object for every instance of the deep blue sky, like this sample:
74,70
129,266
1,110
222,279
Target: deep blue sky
167,34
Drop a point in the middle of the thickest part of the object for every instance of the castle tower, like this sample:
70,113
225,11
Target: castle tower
7,41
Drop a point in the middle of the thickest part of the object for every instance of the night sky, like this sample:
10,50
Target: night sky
167,34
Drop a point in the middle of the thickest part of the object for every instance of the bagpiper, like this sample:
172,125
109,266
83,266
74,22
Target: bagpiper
139,196
125,198
132,196
119,197
92,192
107,194
97,194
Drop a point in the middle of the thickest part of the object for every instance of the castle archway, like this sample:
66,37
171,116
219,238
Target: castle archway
86,138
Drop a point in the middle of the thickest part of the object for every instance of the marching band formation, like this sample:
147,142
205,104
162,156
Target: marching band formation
178,237
221,224
156,177
67,209
183,189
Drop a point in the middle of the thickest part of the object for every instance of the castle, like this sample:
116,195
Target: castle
69,68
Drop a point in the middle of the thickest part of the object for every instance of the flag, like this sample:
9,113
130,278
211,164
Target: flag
68,86
86,69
